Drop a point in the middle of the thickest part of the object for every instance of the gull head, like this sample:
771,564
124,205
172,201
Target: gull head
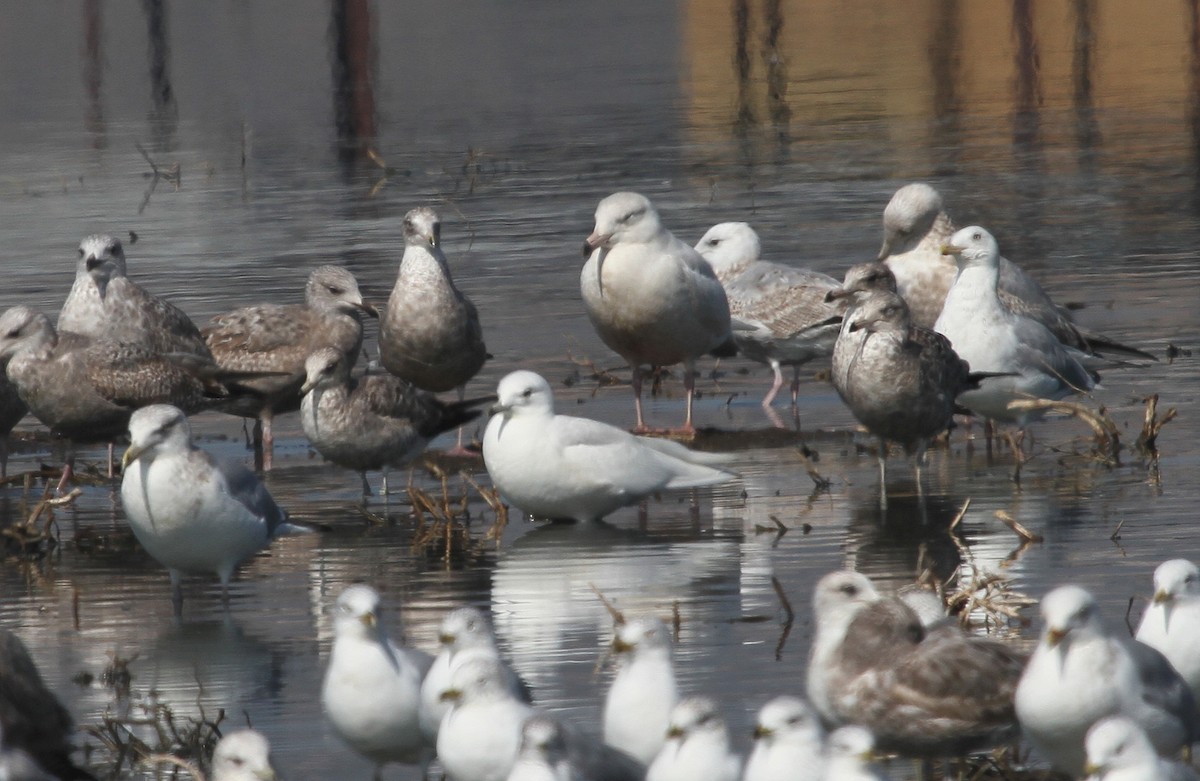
543,739
908,217
788,719
244,755
729,247
324,369
24,328
422,227
102,258
623,217
694,716
158,428
1069,612
356,613
851,743
864,278
840,595
465,628
973,246
522,393
478,679
333,288
1175,579
641,634
879,312
1116,743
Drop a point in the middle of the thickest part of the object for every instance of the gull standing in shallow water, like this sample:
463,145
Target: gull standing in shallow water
190,512
697,747
374,422
280,338
651,298
1118,750
372,687
561,467
781,314
1081,672
637,708
993,339
243,755
922,692
430,333
1172,622
787,743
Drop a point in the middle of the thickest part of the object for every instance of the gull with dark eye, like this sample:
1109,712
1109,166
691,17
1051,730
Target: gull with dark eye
637,708
243,755
697,745
1171,623
1118,750
562,467
279,338
651,298
787,743
782,315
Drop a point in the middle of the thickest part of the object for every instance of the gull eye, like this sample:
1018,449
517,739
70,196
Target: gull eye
527,393
713,242
13,334
977,237
81,252
849,590
337,291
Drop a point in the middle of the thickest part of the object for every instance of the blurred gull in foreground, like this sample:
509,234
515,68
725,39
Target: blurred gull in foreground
651,298
637,709
787,743
480,735
1172,622
243,755
562,467
1118,750
850,755
697,746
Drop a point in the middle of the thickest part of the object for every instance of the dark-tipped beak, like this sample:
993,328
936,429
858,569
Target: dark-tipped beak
951,249
92,263
761,732
368,309
835,294
885,250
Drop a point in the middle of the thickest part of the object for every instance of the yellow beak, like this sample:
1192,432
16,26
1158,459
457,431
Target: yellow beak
132,453
951,249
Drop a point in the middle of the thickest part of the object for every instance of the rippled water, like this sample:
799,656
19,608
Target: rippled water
1070,131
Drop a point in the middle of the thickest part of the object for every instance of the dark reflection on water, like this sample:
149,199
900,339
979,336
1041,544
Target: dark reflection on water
1060,130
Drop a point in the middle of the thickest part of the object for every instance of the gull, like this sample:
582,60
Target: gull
899,380
562,467
915,226
1118,750
243,755
104,303
922,692
1081,672
697,746
190,512
991,338
35,729
781,313
430,333
865,278
372,687
279,338
787,743
1172,622
551,750
12,409
637,709
373,422
850,755
480,735
651,298
464,634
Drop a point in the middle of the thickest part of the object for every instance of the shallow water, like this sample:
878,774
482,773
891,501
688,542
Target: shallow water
1069,130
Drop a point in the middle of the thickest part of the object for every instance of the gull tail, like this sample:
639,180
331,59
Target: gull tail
450,416
1103,346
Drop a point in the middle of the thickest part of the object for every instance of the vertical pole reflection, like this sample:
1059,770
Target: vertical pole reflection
164,113
777,83
741,64
1087,131
945,56
93,73
1027,141
1194,96
353,86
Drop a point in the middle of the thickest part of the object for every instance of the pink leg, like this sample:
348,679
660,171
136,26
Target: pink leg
770,397
640,426
689,385
795,385
458,450
268,440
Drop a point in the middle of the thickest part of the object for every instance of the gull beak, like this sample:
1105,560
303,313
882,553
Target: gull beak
837,293
499,408
1162,597
1091,769
446,639
886,249
951,249
761,732
435,238
450,695
266,774
1055,636
92,263
308,385
620,646
594,241
368,620
368,309
674,732
132,453
858,325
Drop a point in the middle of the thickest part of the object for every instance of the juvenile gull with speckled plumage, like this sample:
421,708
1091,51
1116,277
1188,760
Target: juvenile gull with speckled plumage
782,316
280,338
651,298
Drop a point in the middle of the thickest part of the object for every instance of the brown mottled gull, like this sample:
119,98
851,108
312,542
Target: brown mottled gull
899,380
104,303
280,338
375,422
915,226
651,298
430,333
12,409
781,314
922,692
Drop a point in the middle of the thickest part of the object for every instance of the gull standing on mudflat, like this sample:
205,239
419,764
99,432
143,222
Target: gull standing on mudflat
637,708
104,303
561,467
850,755
430,333
922,692
243,755
372,422
781,314
464,634
372,687
1172,622
280,337
189,511
651,298
697,746
1081,672
787,743
993,339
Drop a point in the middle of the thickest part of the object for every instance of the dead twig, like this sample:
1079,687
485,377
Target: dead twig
1017,528
788,612
617,616
1108,437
